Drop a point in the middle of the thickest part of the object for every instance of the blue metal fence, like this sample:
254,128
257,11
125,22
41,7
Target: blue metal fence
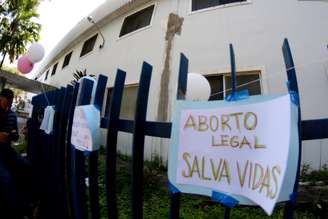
63,168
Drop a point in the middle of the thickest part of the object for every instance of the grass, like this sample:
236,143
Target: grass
156,197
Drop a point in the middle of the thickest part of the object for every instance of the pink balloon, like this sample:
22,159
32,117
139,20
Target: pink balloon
24,65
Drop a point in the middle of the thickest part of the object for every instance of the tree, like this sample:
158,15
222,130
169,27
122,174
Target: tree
17,28
80,74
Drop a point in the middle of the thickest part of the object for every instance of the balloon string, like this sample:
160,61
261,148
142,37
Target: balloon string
44,93
270,76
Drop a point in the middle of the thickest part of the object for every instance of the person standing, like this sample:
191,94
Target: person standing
14,169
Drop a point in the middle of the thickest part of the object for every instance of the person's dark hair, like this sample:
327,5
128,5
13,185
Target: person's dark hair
7,93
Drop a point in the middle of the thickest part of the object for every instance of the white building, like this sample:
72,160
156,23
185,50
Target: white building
157,31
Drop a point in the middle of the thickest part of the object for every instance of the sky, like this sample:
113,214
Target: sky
57,17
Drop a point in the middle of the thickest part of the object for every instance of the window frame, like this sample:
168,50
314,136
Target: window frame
218,6
109,99
70,57
89,52
239,73
142,28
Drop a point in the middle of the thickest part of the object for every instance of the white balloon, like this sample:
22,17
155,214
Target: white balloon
198,87
36,52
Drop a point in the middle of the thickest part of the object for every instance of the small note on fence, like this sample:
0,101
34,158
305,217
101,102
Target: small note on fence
86,128
247,149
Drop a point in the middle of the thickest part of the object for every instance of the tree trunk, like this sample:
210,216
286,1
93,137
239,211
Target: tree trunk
3,59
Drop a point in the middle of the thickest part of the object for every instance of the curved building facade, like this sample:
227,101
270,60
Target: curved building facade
124,33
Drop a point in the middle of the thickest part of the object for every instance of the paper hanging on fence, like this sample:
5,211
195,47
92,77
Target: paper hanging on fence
48,119
86,128
243,149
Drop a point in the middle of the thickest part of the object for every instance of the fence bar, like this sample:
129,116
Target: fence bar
61,147
293,87
94,185
314,129
183,76
139,140
111,148
233,71
181,93
52,193
78,161
227,212
94,155
154,129
69,149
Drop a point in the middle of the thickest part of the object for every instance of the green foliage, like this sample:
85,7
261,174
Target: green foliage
17,28
78,75
11,69
313,176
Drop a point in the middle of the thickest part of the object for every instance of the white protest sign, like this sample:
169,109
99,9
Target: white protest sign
86,128
241,149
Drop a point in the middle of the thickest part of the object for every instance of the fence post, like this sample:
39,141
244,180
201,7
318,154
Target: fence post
293,88
181,93
94,155
227,210
78,161
111,148
139,140
69,150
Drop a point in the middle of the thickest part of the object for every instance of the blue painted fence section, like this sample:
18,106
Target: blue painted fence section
61,168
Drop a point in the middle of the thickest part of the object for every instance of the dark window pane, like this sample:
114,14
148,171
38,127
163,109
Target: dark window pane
67,59
137,20
54,69
216,83
88,45
47,74
201,4
249,82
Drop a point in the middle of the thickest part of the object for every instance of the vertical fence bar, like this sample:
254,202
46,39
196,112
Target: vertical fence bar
292,83
183,76
233,71
227,210
62,151
139,140
111,148
52,196
181,93
69,150
78,161
94,155
58,207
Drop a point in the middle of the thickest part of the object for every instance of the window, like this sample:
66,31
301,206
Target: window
88,45
201,4
54,69
45,78
67,59
137,20
128,105
221,84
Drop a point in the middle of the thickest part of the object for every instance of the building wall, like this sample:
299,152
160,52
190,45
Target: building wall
256,29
